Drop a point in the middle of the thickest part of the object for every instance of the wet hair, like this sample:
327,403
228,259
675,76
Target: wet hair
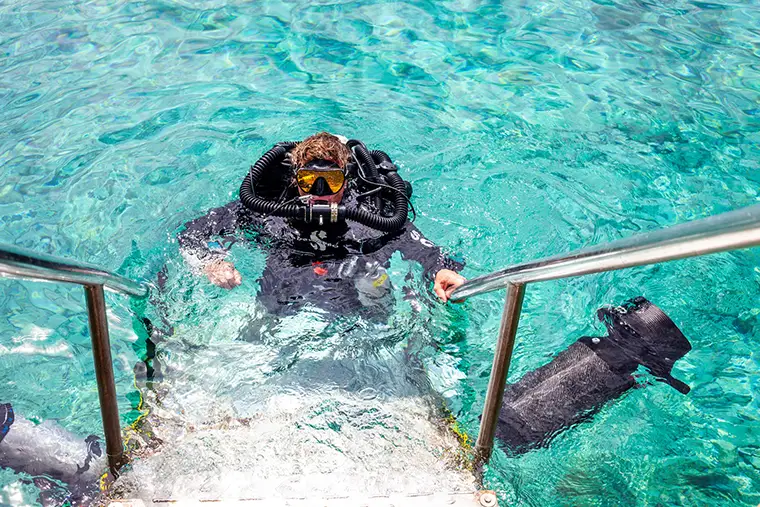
322,146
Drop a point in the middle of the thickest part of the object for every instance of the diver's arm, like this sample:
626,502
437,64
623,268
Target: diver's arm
205,253
414,246
438,266
195,240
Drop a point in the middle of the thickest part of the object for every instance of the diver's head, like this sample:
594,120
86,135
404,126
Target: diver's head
320,167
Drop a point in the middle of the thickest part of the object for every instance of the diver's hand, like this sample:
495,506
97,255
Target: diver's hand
223,274
446,281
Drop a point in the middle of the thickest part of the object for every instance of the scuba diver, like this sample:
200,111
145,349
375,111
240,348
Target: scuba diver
330,214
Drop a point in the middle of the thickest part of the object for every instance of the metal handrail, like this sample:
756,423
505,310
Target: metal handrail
17,262
23,263
728,231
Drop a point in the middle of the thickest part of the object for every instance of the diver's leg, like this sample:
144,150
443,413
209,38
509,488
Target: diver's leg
590,373
149,367
47,449
258,328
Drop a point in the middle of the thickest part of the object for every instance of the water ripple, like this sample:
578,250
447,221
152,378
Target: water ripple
527,128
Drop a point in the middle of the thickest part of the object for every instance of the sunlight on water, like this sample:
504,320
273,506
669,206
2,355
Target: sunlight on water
527,128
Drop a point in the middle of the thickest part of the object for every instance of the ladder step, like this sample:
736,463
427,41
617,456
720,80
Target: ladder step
477,499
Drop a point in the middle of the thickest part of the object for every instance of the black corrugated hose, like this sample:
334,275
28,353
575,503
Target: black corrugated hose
275,155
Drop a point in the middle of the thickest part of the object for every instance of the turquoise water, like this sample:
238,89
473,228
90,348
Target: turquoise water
527,128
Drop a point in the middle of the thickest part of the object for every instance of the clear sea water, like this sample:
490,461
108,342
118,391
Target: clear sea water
528,128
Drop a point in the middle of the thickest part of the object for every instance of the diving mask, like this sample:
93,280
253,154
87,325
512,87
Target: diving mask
320,177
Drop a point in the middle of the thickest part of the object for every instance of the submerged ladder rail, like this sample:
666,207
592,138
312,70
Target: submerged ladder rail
17,262
727,231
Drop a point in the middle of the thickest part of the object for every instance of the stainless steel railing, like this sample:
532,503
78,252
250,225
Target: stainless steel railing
20,263
727,231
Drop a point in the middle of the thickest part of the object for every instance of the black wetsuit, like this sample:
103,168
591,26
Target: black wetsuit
337,267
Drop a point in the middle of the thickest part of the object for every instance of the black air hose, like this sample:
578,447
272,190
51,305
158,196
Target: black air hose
380,156
247,193
381,223
365,158
370,169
